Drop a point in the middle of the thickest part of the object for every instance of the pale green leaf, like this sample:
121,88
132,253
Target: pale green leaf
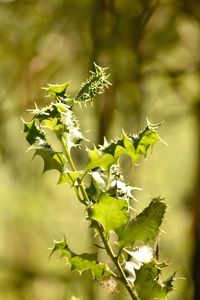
70,177
110,212
98,160
53,124
57,89
145,226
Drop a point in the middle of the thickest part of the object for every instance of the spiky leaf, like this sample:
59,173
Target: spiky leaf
110,212
134,146
52,159
145,226
33,132
147,283
94,85
82,262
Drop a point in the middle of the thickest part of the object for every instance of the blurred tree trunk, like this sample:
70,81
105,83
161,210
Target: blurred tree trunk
196,215
102,30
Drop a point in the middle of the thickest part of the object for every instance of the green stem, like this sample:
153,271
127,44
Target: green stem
73,168
71,163
67,153
116,263
98,226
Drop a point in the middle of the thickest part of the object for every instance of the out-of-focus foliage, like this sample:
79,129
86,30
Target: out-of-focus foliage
152,50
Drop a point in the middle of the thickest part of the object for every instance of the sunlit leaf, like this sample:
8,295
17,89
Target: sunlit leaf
110,212
145,226
69,177
53,124
134,146
57,89
82,262
96,159
94,85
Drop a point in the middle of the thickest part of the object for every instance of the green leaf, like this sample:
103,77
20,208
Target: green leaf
69,177
33,132
134,146
52,111
145,226
110,212
143,141
147,283
82,262
96,159
94,85
59,118
52,159
53,124
57,89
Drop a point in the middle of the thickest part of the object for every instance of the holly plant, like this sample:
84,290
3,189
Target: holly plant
107,198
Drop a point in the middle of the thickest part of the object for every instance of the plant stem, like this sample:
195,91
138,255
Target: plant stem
116,263
98,226
71,163
72,166
67,153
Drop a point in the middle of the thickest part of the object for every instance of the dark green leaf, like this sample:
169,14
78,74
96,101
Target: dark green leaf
82,262
110,212
51,158
147,283
145,226
33,132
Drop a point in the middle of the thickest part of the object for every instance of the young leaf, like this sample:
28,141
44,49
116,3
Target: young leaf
134,146
110,212
96,159
147,283
94,85
82,262
57,90
69,177
111,182
145,226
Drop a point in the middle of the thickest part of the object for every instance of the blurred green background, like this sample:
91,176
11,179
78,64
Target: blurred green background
152,50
